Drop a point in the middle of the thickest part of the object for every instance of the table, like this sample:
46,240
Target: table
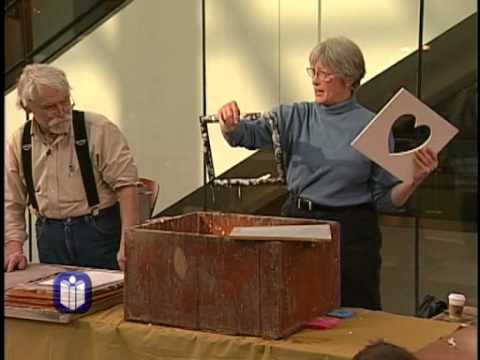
105,335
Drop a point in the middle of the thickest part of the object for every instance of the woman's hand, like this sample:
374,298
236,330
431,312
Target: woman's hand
426,161
229,117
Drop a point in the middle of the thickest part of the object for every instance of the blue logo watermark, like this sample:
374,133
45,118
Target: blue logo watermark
72,292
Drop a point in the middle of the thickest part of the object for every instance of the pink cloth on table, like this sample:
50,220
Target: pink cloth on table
322,322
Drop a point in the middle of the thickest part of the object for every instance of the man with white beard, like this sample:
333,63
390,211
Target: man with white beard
74,170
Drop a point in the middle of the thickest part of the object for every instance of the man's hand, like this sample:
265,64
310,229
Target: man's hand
14,258
426,161
229,117
127,196
121,258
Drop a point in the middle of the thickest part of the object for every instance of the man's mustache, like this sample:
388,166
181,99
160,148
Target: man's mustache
58,124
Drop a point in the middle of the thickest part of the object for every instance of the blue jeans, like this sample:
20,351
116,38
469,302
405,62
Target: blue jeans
90,241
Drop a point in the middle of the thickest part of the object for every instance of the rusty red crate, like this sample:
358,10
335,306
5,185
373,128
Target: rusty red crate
184,271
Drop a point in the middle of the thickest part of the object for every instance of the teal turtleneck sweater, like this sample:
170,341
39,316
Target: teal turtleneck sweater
320,163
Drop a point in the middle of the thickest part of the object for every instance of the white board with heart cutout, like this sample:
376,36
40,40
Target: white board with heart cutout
372,141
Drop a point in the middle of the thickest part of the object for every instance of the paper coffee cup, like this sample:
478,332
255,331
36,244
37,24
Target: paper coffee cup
456,302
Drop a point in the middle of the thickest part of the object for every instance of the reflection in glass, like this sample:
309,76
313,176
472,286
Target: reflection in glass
448,200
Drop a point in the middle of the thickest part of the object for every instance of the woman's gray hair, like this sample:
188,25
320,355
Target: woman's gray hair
342,56
35,75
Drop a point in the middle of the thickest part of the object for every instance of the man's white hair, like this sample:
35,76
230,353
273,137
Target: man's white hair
36,75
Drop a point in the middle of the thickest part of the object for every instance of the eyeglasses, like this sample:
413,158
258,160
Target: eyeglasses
320,74
65,105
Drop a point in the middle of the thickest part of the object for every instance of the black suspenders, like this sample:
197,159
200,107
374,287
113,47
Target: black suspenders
27,163
83,155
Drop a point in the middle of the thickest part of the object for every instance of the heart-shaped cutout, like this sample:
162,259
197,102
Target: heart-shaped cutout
406,135
373,142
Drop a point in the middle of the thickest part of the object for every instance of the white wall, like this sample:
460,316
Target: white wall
440,16
142,68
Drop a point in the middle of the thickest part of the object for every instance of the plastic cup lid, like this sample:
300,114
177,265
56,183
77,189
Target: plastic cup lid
456,297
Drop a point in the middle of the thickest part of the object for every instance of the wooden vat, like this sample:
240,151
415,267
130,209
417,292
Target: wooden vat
184,271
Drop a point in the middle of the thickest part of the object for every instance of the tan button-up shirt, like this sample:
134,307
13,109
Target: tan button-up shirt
56,173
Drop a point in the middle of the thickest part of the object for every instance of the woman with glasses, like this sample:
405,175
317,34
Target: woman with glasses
326,177
79,222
